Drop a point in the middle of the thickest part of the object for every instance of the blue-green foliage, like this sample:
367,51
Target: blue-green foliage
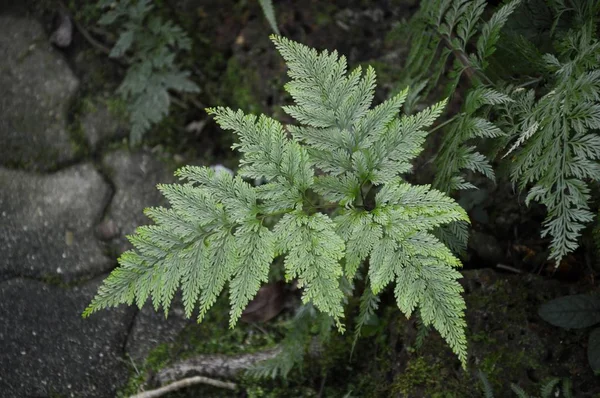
151,45
556,147
368,220
552,128
446,30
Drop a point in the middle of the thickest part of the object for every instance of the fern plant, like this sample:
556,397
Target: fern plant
554,149
333,205
553,387
444,31
556,146
152,46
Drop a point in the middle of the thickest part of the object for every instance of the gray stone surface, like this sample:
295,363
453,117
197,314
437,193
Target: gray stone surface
100,125
47,223
48,349
135,177
151,329
37,86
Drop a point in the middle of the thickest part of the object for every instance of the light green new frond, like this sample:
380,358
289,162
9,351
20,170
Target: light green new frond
419,198
442,306
343,189
384,263
409,288
192,206
422,268
360,233
264,147
426,245
193,246
324,95
121,285
395,147
262,141
221,259
268,153
376,120
236,195
403,220
312,254
316,86
356,105
256,251
191,279
216,233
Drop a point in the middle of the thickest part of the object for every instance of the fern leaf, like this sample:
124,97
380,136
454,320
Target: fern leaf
256,250
360,233
313,253
490,33
519,391
555,152
218,229
267,7
485,385
369,302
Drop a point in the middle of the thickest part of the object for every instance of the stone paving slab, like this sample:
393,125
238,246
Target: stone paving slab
37,86
47,223
48,349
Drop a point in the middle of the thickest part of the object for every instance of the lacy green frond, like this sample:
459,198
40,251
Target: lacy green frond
151,45
556,150
446,30
328,199
313,253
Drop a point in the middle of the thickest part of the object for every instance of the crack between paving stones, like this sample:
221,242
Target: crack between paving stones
128,333
78,282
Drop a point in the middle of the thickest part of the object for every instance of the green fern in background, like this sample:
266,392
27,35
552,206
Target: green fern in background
551,141
555,143
333,205
554,387
445,30
269,12
151,46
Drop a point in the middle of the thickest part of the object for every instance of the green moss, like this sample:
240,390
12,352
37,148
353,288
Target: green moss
117,107
418,373
238,86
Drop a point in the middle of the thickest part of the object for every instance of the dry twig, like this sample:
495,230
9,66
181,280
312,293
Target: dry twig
190,381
